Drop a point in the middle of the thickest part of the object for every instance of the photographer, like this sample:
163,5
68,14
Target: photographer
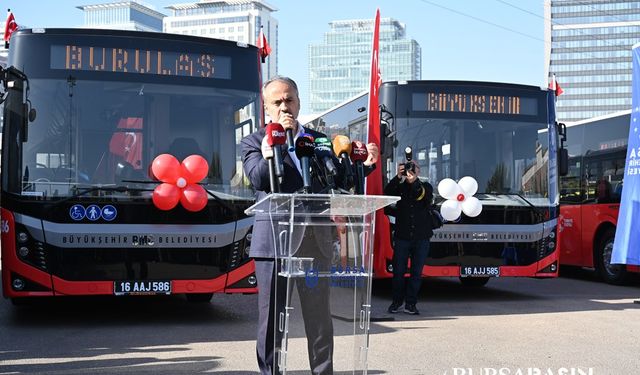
411,235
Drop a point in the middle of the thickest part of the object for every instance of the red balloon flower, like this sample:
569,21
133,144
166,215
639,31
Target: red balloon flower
180,182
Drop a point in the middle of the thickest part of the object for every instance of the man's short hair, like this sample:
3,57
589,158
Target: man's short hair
282,79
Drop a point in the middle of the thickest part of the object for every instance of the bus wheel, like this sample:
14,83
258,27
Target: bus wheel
474,282
199,297
610,273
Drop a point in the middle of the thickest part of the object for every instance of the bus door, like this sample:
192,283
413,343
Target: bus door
571,195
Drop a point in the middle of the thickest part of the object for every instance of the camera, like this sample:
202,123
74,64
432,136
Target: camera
408,165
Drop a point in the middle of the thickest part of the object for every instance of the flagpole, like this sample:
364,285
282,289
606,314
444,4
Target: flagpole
6,42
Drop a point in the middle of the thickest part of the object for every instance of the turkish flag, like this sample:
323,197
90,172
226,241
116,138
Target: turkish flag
10,26
555,86
263,45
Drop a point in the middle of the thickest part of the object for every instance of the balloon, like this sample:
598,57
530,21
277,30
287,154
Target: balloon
166,196
193,198
194,168
472,207
450,210
469,185
166,168
448,189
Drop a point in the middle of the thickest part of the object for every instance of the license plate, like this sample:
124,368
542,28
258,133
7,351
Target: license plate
128,287
479,271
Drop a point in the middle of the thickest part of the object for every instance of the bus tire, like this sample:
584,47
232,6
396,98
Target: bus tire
474,282
21,301
615,274
199,297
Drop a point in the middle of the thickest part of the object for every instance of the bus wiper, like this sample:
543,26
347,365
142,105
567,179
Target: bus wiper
528,202
510,194
216,197
105,188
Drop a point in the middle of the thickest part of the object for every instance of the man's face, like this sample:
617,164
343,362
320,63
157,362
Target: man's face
280,98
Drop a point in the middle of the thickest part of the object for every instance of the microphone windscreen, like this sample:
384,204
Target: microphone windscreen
323,148
359,151
304,146
341,144
275,134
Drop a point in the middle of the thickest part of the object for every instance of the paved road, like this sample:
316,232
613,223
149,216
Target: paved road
571,323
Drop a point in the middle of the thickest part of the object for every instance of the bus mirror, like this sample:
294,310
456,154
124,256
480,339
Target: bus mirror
32,115
563,162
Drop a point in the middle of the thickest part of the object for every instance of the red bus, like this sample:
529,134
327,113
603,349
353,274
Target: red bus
590,194
503,135
77,210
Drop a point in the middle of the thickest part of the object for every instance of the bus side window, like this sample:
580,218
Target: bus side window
570,187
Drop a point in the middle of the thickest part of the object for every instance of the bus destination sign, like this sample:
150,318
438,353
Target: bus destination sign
475,103
140,61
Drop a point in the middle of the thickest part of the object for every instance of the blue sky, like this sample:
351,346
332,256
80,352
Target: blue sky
471,40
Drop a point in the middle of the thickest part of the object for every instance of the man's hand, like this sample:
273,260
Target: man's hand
340,223
287,121
401,173
374,152
411,177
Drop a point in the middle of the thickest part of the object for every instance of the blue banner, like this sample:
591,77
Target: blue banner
626,247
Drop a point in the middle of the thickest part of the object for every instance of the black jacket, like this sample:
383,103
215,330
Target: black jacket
256,169
412,210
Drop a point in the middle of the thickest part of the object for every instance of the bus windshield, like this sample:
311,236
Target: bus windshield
505,157
91,133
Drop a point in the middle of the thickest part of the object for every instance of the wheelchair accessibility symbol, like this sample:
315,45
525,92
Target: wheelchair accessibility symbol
77,212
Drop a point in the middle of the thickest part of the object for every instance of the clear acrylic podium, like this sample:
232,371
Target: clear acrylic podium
324,254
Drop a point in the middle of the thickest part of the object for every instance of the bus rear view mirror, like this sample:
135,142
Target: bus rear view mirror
563,162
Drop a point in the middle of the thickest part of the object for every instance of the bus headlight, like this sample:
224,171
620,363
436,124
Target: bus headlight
23,251
23,237
551,245
18,284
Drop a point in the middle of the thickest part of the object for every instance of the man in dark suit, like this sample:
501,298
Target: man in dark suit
282,104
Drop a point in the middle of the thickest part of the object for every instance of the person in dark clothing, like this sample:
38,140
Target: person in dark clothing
282,104
411,235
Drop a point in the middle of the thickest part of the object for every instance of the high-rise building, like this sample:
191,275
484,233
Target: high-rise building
236,20
339,66
588,48
122,15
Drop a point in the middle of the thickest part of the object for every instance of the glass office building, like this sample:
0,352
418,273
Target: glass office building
588,48
122,15
236,20
339,66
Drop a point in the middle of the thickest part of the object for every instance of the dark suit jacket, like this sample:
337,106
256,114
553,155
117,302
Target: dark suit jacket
257,170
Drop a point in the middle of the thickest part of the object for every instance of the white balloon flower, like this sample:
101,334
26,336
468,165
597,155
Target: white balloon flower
459,198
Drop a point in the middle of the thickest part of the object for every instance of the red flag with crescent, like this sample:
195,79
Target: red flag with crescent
10,26
263,46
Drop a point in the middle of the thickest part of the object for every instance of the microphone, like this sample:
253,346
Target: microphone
304,151
324,152
268,155
291,145
342,148
275,137
359,155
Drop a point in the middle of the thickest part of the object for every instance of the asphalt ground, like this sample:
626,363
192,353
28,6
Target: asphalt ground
570,325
